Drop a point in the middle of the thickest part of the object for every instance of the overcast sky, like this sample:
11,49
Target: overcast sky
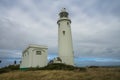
95,27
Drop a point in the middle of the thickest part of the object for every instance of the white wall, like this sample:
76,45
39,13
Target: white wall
31,59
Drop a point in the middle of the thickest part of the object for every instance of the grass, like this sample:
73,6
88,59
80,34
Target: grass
89,74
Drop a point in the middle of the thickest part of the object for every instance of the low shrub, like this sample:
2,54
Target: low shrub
58,66
93,67
9,68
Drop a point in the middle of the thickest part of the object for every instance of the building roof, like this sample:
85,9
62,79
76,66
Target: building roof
36,46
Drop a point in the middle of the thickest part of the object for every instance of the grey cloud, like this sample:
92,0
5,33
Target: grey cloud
99,52
95,25
108,7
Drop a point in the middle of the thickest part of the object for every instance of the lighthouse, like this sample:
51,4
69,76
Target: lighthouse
65,46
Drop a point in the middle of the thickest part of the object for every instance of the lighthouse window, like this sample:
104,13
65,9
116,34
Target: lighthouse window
38,52
67,23
63,32
63,14
59,25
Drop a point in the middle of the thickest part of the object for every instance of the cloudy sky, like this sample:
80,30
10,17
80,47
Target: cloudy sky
95,29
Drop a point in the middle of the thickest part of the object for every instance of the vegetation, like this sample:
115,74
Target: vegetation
59,66
9,68
90,74
61,72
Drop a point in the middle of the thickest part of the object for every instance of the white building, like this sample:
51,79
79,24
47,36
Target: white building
65,46
34,56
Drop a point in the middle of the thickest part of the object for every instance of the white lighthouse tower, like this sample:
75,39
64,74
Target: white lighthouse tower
65,46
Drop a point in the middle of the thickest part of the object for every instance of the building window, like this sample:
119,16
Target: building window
67,23
38,52
59,25
63,32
